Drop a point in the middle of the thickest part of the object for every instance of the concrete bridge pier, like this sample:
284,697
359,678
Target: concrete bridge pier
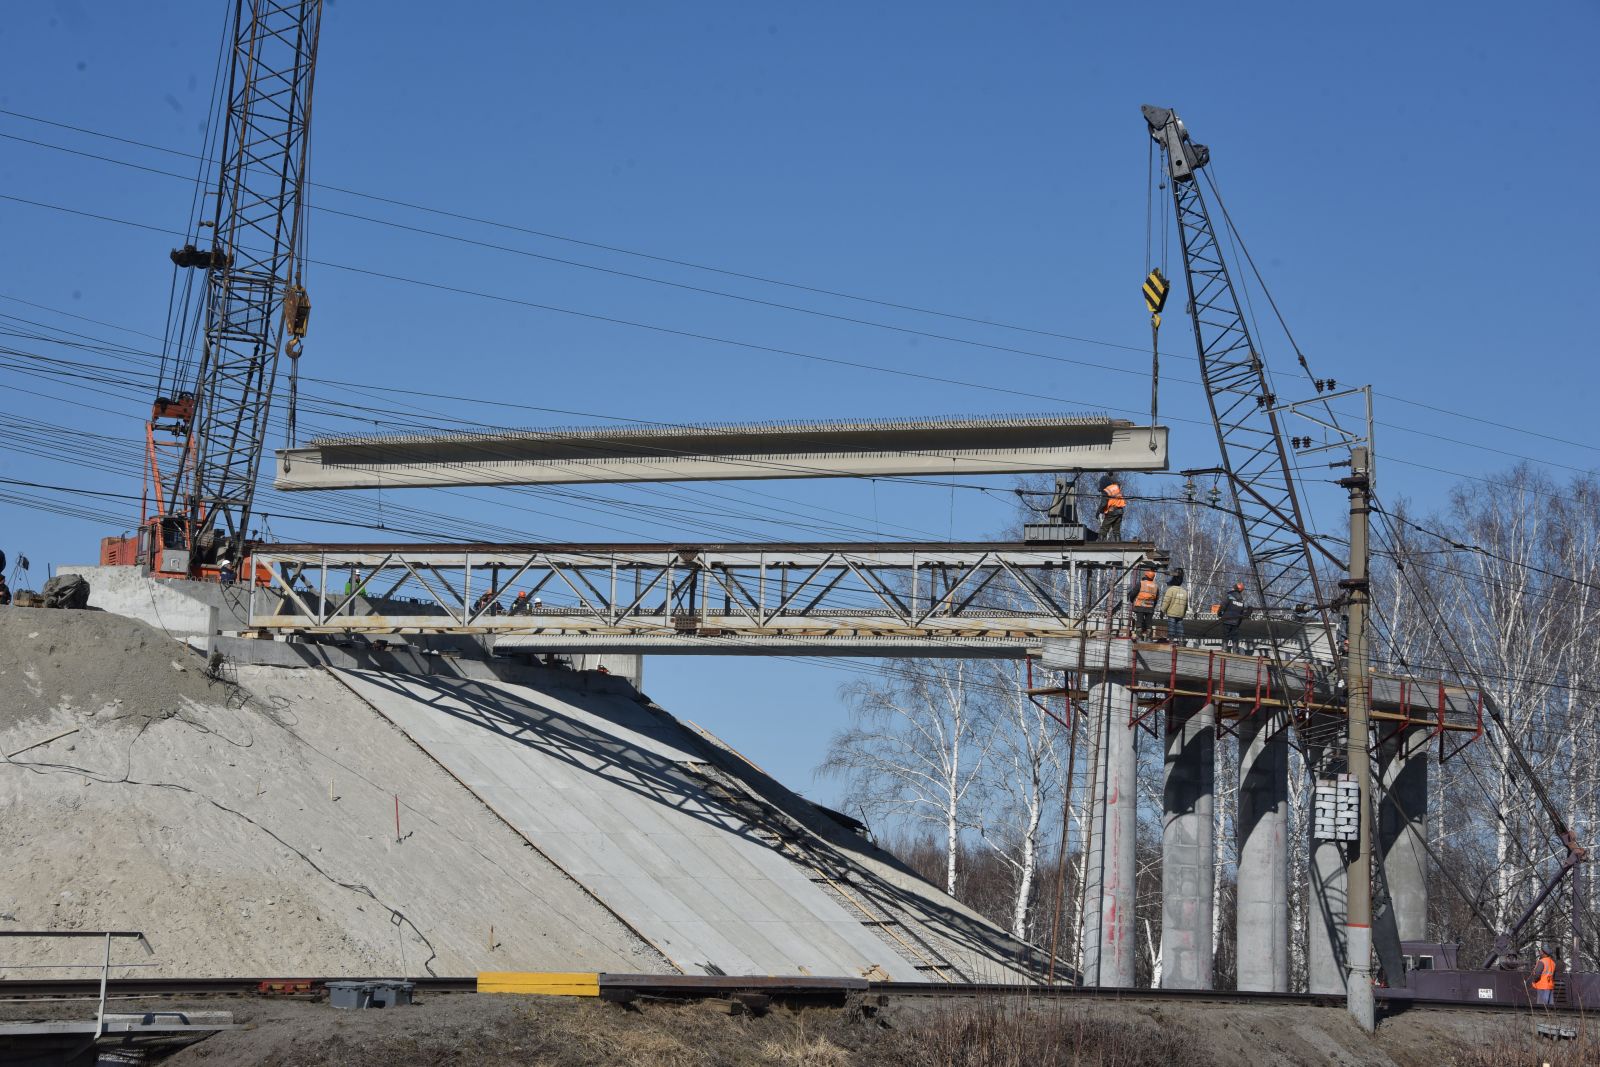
1263,824
1326,958
1403,828
1188,844
1108,929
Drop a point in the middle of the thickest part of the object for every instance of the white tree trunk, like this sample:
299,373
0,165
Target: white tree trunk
1019,909
952,842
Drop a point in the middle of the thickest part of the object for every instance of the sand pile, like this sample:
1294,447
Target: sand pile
92,661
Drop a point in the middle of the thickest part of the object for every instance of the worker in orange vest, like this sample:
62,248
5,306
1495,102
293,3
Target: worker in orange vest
1112,507
1144,598
1544,979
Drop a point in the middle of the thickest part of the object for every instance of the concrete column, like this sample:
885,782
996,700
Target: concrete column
1403,829
1188,845
1263,823
1108,930
1326,960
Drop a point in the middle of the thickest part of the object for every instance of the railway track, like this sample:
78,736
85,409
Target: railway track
46,988
632,987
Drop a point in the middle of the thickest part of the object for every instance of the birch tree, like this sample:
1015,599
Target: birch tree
913,751
1022,782
1575,556
1505,618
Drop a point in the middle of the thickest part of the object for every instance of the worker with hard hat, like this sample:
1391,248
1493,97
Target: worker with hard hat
1113,505
1143,597
1544,979
1232,615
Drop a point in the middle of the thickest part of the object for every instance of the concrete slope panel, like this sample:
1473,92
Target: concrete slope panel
596,783
249,828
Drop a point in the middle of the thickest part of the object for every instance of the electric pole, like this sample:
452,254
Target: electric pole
1358,921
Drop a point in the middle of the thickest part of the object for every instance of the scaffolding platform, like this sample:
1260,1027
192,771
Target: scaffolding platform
1241,686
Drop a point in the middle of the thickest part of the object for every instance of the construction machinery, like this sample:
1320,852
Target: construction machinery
1244,408
1256,460
209,420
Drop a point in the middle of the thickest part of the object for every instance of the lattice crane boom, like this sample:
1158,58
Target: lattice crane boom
1254,451
255,307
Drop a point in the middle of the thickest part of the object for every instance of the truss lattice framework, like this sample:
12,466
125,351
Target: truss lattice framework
920,594
1241,407
258,212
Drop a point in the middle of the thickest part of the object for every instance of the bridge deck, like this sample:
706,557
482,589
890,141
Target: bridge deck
1243,685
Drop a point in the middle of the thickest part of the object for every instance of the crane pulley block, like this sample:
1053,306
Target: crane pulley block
206,258
1156,288
296,310
1184,156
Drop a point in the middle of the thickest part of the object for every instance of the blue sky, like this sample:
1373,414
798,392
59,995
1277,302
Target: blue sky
1411,184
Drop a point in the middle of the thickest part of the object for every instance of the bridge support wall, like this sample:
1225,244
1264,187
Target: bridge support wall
1403,829
1188,845
1327,962
1263,824
1108,930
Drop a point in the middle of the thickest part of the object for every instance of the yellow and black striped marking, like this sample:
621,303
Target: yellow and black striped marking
1156,287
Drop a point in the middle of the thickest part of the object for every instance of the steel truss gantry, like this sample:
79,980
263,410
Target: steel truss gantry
869,599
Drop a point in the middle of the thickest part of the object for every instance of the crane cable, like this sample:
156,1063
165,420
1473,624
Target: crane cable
296,302
1155,287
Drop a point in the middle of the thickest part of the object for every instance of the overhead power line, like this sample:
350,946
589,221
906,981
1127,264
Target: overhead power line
609,319
1463,546
511,227
600,246
689,334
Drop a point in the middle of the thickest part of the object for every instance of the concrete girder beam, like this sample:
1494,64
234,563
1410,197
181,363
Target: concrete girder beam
880,448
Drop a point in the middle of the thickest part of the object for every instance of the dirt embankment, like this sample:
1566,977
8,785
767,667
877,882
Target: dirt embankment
92,662
501,1031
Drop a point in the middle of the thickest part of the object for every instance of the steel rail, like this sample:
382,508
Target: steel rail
701,987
